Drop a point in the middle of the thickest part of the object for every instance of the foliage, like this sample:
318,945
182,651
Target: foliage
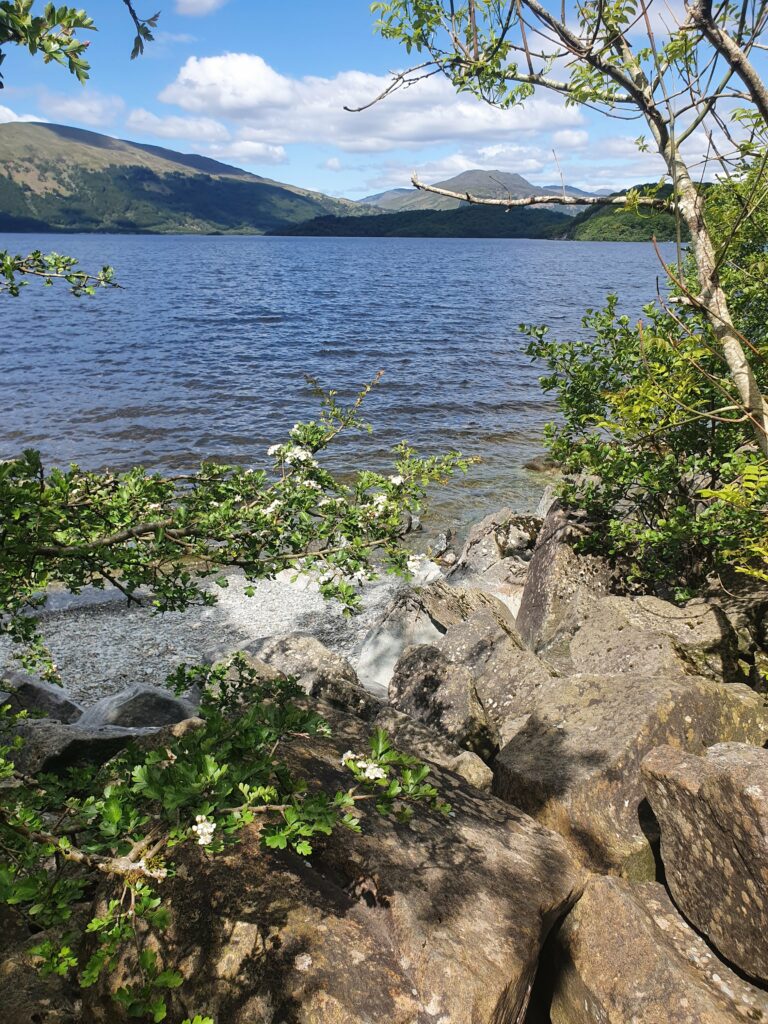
466,222
138,530
126,819
653,440
50,267
53,32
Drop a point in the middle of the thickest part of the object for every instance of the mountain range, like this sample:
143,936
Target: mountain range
57,178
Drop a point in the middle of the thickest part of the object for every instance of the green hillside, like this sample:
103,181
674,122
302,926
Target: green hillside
466,222
54,178
614,224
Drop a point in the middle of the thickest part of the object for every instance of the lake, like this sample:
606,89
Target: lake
203,351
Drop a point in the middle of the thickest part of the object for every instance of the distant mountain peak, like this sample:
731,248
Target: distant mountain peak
493,184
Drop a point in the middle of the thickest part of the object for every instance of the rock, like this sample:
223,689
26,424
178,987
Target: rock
415,738
555,579
541,464
713,814
52,746
28,997
645,636
27,693
625,955
426,686
496,555
438,919
442,543
418,617
319,671
471,683
508,679
138,707
575,761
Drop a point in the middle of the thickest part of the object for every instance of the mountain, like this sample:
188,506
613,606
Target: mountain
488,184
466,222
55,178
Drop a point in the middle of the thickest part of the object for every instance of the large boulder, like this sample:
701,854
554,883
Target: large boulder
713,813
625,955
419,616
439,919
472,684
28,997
28,693
645,636
556,577
575,762
138,707
319,671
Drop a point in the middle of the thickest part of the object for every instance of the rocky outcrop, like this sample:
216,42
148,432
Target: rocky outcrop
419,616
624,955
438,919
443,696
27,693
645,636
472,684
575,761
555,580
319,671
27,996
713,813
496,554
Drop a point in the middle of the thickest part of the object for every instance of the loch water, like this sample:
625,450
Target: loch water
204,349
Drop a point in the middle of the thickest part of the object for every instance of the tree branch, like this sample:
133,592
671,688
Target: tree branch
541,200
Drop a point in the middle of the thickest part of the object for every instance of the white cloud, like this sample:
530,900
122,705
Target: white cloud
198,7
249,152
197,129
570,138
333,164
8,116
280,110
92,108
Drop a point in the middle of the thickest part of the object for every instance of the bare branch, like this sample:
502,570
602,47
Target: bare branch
541,200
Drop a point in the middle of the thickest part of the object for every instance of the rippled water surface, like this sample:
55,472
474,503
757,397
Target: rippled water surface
204,350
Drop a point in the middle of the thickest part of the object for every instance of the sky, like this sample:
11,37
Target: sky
263,85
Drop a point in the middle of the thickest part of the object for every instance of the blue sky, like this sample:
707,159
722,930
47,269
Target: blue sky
263,84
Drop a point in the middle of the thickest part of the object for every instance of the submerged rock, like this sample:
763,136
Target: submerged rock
713,813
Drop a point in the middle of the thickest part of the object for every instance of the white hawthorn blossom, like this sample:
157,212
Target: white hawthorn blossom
371,771
274,449
204,830
397,480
